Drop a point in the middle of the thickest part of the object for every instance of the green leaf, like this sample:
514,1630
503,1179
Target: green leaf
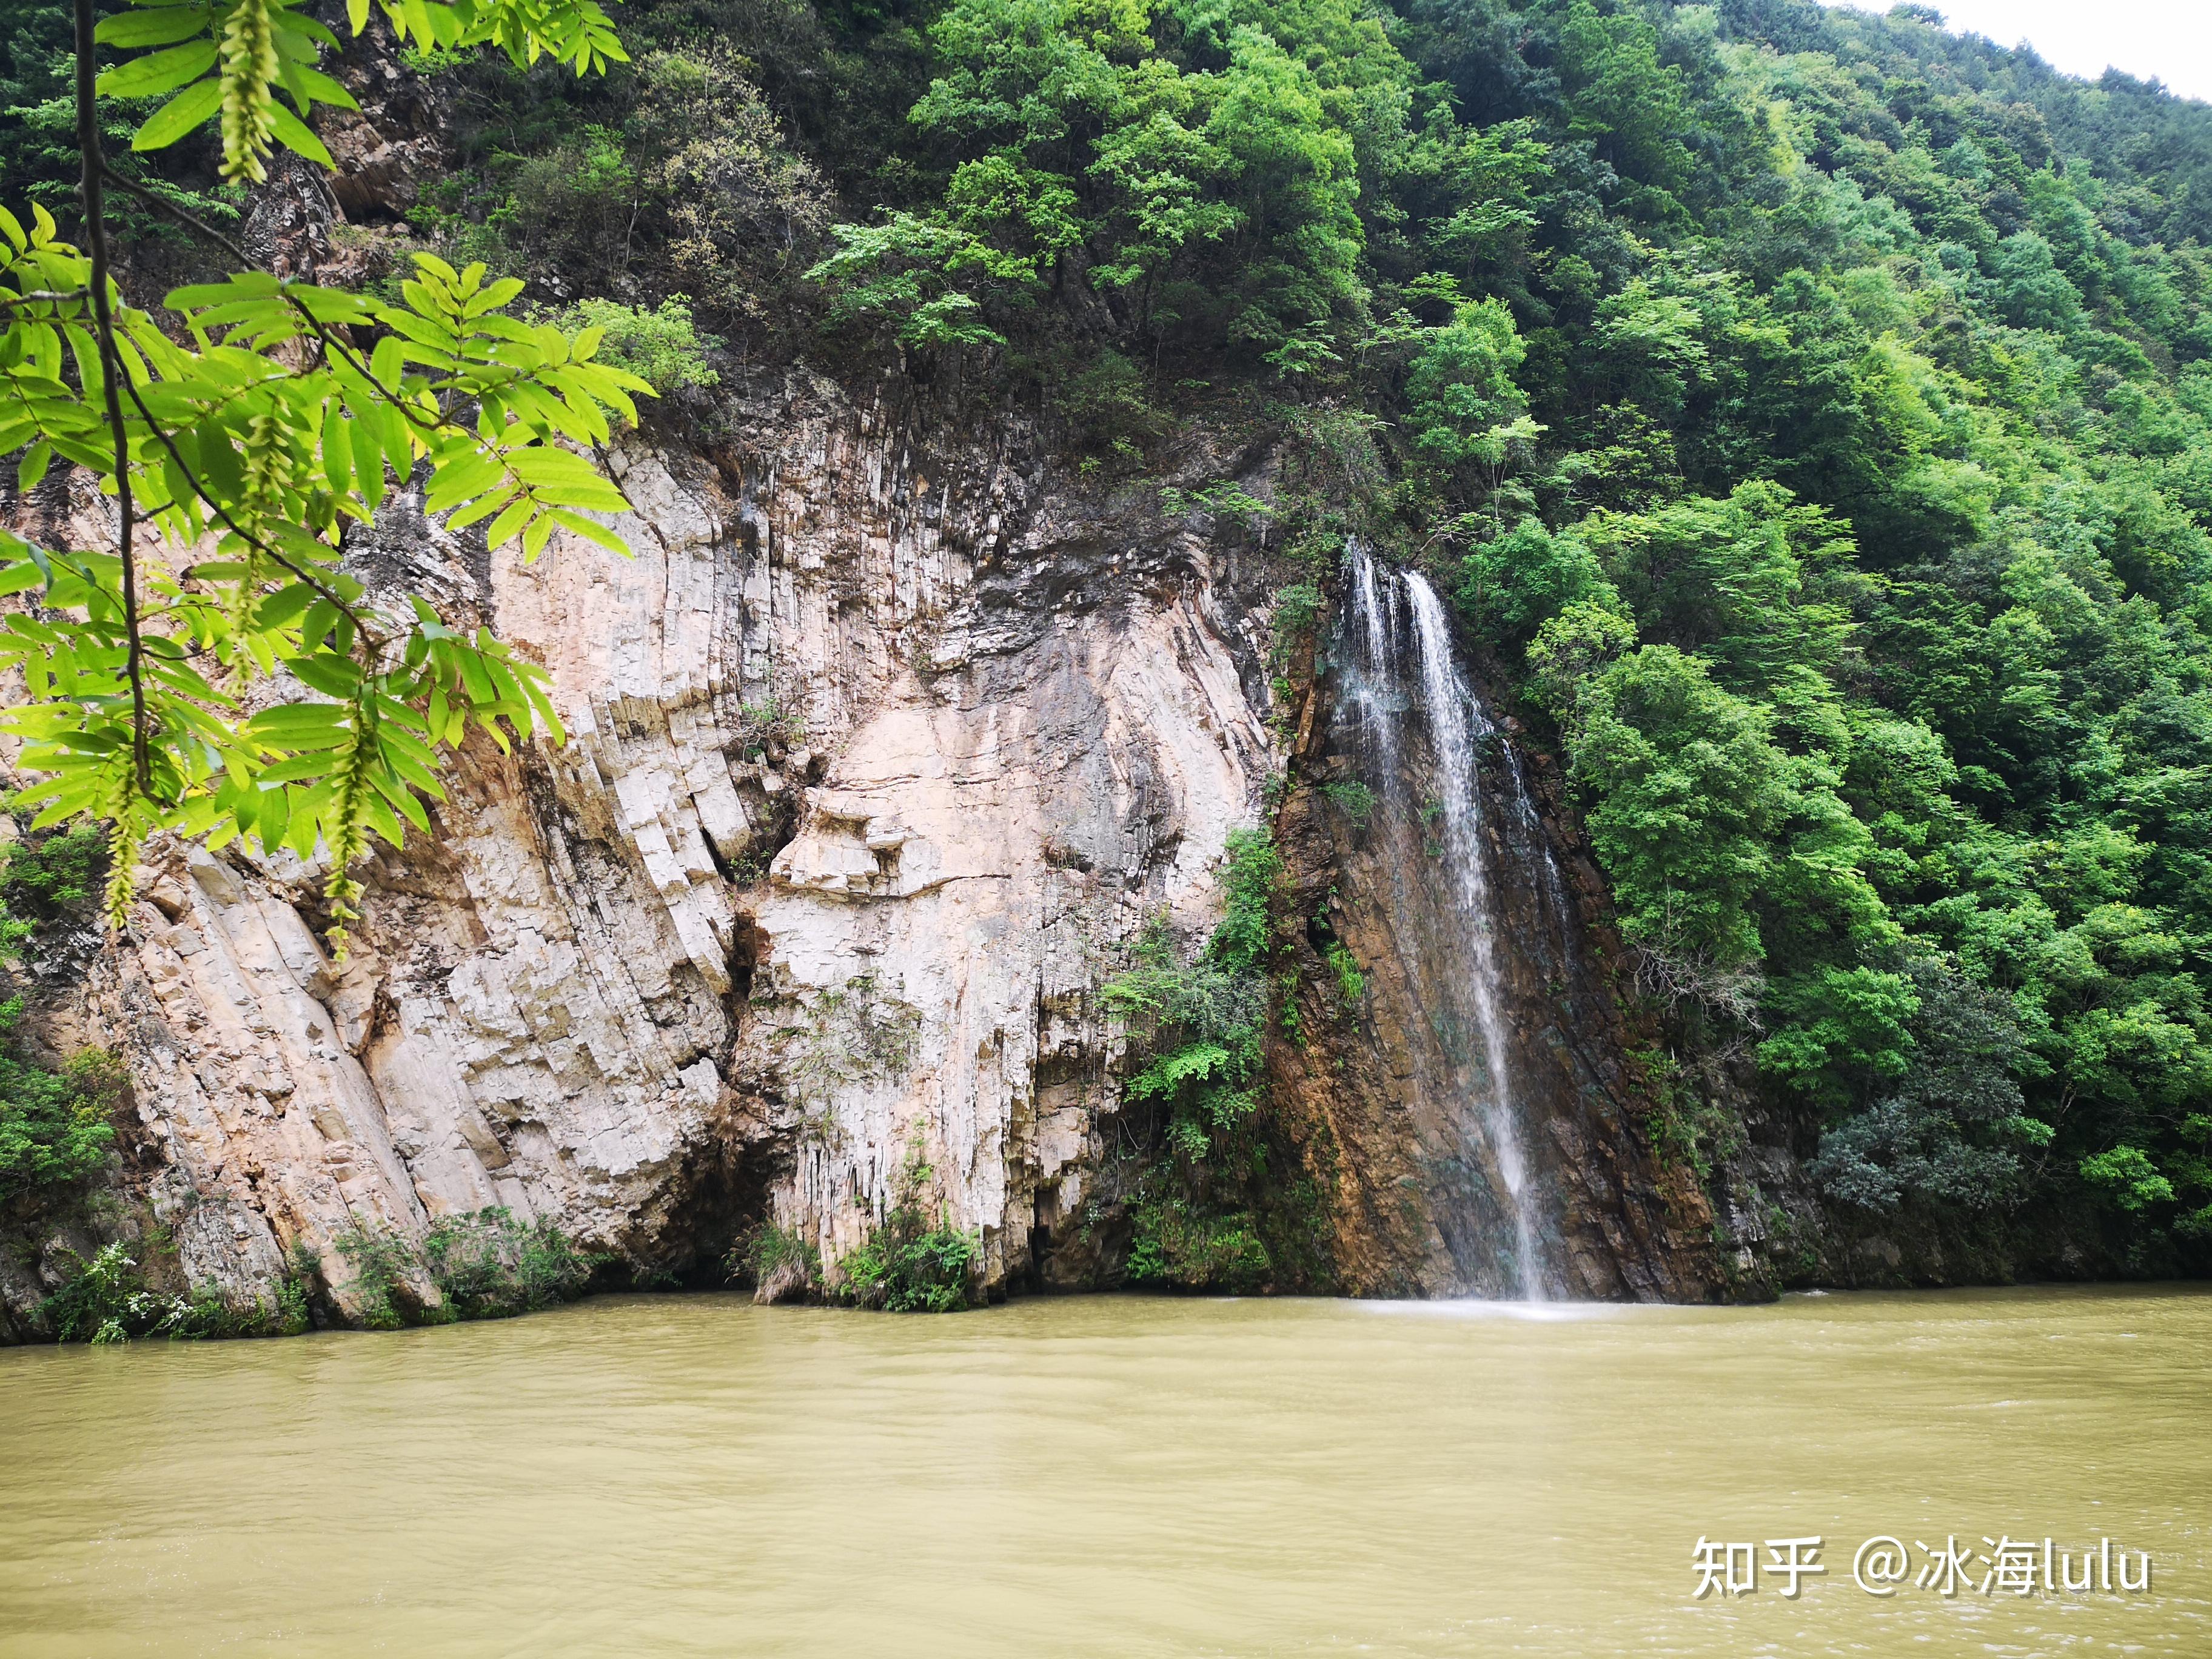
320,86
293,133
402,798
301,769
337,448
474,680
158,72
368,461
287,605
272,816
332,676
290,723
155,27
590,530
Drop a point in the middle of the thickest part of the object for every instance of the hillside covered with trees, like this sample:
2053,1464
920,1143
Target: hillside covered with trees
1811,413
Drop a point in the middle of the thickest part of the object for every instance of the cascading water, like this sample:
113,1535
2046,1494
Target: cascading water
1417,721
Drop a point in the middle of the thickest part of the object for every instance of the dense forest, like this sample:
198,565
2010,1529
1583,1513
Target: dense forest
1810,411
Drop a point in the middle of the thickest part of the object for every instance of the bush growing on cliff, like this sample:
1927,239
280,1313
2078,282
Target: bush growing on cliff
1206,170
107,1300
909,1263
1353,799
768,1254
1217,1204
486,1264
663,348
54,1127
672,177
47,878
383,1261
1351,982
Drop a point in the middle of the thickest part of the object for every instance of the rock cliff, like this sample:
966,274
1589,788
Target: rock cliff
885,741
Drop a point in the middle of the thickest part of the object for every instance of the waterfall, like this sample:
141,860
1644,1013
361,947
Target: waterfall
1415,719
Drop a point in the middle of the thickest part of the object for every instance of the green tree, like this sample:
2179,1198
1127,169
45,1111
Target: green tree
1467,414
1689,797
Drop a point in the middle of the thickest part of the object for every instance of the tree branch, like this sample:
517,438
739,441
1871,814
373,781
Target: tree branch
369,635
111,369
192,223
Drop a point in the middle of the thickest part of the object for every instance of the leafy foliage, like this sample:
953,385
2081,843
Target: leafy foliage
54,1127
1860,561
54,1130
485,1264
1355,799
1211,1210
232,60
107,1301
908,1263
1201,168
261,440
766,1250
45,878
663,348
490,1265
672,177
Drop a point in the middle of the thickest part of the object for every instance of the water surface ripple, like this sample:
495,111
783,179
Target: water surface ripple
1117,1476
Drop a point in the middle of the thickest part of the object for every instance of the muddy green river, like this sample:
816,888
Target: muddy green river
1123,1476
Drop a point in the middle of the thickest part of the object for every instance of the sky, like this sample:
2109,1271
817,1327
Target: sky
2169,39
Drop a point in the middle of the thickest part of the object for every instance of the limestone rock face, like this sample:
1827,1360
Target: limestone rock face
882,747
877,754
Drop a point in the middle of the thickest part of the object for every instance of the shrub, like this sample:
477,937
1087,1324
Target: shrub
1297,608
853,1031
769,725
663,347
53,875
1355,800
107,1301
1106,401
485,1263
1176,1242
574,203
743,210
53,1125
488,1265
767,1250
383,1261
2126,1176
1205,1212
1351,984
908,1266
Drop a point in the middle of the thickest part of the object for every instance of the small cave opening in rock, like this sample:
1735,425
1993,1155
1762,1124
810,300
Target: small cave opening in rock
723,1200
